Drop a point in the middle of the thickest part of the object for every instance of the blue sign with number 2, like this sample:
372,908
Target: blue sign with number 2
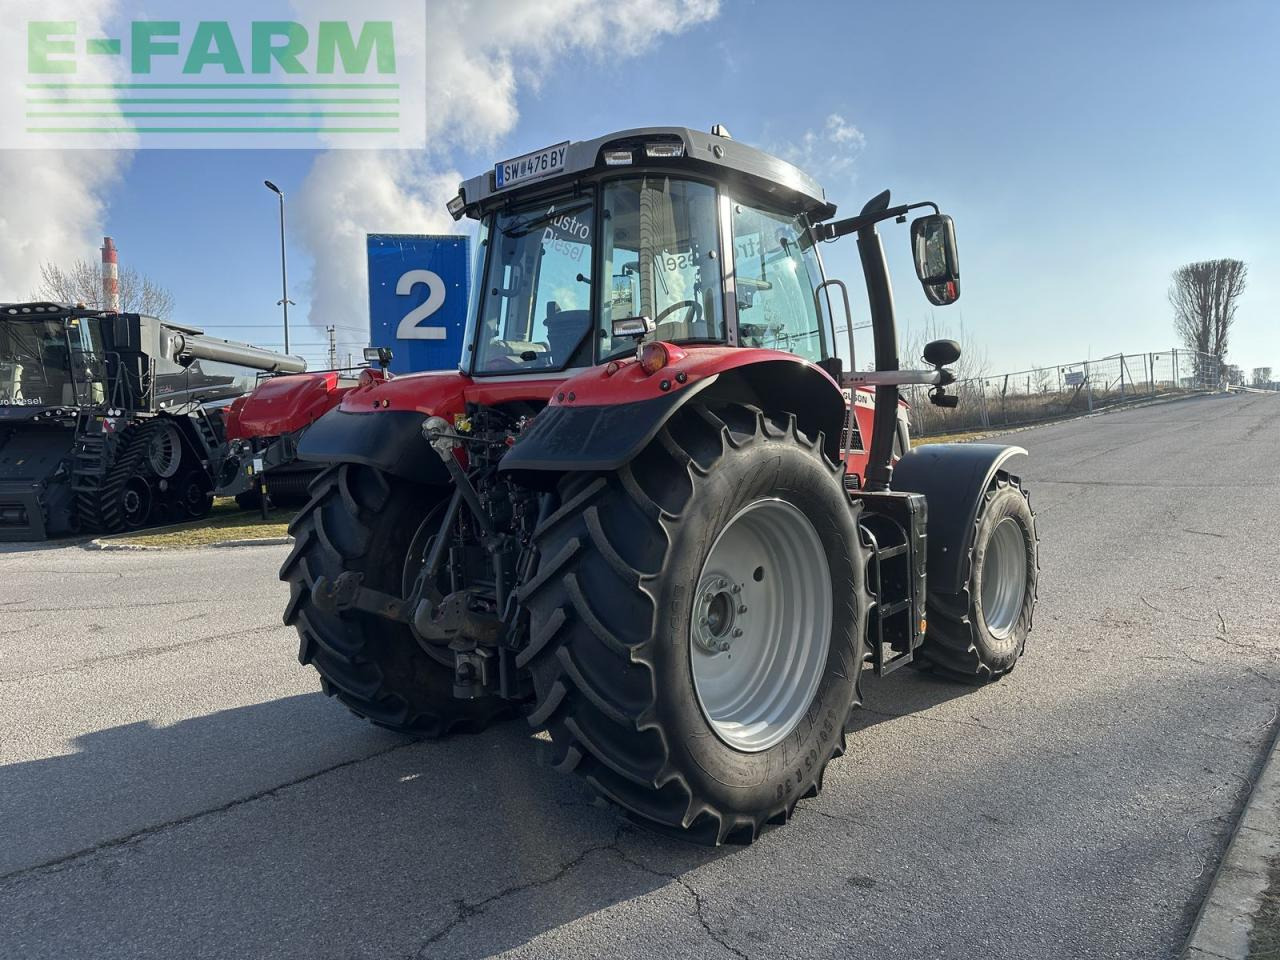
418,299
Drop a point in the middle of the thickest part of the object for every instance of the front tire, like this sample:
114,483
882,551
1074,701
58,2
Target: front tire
360,519
978,635
628,610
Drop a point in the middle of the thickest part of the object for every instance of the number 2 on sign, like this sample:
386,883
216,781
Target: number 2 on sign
409,328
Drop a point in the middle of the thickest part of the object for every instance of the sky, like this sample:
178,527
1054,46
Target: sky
1085,150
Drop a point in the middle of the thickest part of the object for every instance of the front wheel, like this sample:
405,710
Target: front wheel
978,635
696,624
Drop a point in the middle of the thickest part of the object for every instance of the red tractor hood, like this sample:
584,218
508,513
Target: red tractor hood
285,405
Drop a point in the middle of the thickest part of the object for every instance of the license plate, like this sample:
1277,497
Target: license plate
531,166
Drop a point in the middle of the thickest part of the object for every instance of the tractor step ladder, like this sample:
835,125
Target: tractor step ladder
893,525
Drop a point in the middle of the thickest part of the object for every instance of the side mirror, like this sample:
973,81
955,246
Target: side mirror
933,245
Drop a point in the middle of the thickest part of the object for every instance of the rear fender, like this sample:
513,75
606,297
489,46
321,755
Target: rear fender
379,424
954,477
602,418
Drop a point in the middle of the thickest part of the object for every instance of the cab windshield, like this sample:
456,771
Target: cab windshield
536,310
660,260
53,362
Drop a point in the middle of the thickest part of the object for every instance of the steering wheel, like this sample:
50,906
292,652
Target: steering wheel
695,311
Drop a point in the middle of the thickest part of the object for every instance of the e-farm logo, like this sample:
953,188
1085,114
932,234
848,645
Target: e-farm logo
232,82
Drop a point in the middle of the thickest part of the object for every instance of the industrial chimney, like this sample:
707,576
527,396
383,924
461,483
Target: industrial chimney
110,276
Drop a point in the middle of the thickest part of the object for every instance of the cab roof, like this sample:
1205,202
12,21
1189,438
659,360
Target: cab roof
713,155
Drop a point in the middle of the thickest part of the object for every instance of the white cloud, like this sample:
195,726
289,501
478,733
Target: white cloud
52,202
827,151
480,54
841,131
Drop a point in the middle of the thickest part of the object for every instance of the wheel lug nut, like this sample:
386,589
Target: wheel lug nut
737,632
724,646
736,588
742,608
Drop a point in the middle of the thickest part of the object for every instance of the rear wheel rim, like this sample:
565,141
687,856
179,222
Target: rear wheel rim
760,629
1004,577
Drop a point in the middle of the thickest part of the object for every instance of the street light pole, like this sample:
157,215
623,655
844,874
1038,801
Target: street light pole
284,266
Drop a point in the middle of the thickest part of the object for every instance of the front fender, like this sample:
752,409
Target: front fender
953,477
602,418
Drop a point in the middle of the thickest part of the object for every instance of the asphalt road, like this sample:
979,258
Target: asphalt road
173,785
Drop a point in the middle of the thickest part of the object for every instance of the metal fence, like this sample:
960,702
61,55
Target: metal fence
1045,393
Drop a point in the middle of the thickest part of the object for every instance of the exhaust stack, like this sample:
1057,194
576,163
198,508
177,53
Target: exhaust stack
110,276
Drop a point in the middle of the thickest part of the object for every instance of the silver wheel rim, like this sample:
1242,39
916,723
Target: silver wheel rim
1004,577
761,625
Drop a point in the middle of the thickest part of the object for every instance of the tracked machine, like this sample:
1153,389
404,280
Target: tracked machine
653,510
112,421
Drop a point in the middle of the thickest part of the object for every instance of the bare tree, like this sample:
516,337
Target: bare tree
1203,296
82,283
1042,380
1262,376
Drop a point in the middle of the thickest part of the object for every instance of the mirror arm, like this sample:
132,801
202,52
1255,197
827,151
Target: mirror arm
840,228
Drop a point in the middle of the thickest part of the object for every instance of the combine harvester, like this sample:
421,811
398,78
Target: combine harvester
653,509
112,421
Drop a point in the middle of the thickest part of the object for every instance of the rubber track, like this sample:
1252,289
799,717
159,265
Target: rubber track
104,513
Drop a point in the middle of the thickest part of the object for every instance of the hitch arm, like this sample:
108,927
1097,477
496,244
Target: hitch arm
348,592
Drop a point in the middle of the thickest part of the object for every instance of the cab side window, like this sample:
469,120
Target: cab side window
775,276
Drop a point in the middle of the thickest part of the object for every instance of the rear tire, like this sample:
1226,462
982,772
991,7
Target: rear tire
360,519
977,635
627,566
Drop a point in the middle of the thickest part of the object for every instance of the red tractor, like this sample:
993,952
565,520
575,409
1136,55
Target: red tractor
652,510
262,433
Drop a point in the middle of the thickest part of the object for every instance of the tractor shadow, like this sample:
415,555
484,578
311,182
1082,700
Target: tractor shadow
902,693
288,828
294,815
462,847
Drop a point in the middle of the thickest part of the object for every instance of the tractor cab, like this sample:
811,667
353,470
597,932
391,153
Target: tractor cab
702,239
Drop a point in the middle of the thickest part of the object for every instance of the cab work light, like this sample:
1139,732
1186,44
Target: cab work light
664,150
456,206
382,356
617,158
632,327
